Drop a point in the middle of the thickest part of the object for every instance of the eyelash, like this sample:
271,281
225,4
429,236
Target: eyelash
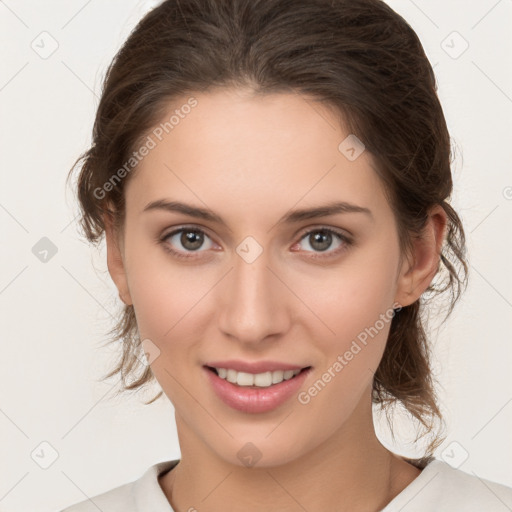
346,242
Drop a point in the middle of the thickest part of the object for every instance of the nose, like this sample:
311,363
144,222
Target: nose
254,302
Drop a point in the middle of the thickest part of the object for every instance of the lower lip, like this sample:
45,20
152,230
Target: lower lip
255,399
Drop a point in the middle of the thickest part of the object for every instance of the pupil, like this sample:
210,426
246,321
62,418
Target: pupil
193,238
321,236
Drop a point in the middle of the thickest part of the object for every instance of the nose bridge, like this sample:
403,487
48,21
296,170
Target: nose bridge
252,306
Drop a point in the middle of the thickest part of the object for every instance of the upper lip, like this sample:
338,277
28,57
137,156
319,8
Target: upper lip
254,366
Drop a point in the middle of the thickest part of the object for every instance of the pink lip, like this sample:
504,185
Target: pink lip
253,399
254,367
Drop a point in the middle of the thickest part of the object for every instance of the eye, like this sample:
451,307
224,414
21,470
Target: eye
321,239
190,239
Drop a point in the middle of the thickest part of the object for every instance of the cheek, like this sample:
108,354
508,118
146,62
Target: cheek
170,313
170,310
358,308
355,303
163,293
355,294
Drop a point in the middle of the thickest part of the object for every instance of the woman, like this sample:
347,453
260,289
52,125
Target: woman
272,178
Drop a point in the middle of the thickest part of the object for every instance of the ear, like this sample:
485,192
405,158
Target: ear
421,266
115,260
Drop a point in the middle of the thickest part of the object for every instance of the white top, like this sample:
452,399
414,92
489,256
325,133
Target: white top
438,488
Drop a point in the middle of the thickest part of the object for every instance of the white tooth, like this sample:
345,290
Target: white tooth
231,376
245,379
263,380
277,376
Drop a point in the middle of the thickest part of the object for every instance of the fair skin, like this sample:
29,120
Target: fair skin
252,160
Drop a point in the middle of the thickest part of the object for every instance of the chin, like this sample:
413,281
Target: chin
260,452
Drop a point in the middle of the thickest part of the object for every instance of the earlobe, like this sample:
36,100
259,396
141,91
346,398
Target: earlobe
420,268
115,261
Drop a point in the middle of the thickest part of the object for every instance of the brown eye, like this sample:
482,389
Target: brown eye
185,240
320,240
191,240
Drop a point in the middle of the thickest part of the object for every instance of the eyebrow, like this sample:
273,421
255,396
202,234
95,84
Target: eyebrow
294,216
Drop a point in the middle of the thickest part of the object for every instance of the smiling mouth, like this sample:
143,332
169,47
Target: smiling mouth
256,380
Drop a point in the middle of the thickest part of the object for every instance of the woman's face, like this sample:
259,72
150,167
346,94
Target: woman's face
249,285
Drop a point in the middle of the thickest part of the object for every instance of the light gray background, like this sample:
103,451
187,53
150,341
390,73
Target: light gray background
54,314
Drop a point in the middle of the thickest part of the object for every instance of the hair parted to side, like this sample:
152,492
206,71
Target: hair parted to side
358,57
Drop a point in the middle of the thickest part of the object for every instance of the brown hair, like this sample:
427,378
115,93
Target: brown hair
361,59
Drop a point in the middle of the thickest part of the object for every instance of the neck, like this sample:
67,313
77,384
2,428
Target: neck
350,471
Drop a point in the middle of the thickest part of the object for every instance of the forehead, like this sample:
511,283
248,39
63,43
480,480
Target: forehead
234,149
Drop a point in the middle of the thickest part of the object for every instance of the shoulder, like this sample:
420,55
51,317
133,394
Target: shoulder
477,493
114,500
139,495
442,488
